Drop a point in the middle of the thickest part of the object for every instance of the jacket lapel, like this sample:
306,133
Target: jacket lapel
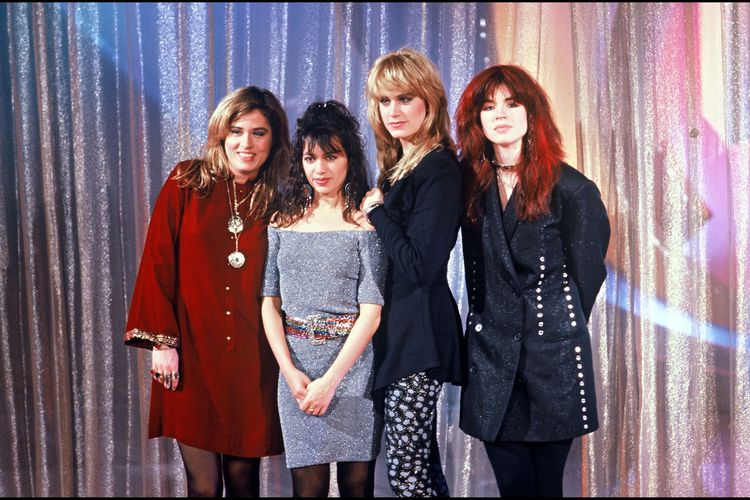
495,229
510,219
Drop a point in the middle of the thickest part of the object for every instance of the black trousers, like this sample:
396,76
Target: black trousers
529,469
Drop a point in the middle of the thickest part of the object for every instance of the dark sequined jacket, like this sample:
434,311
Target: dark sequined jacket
532,285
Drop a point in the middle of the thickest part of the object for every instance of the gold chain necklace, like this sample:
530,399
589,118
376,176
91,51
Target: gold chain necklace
237,204
235,225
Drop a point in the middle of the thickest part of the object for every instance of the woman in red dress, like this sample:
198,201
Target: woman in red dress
196,299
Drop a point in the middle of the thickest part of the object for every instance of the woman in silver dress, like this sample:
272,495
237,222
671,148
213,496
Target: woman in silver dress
322,296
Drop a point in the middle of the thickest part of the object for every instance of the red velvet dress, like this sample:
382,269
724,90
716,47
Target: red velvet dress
186,295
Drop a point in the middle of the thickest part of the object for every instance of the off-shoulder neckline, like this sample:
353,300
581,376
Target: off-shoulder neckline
322,231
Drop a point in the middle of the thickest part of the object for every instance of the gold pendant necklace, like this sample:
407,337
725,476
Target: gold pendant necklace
236,259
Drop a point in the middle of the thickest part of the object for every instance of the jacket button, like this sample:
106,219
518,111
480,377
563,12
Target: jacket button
478,328
517,337
473,369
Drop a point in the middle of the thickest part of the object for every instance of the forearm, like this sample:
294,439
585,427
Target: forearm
420,251
356,343
273,325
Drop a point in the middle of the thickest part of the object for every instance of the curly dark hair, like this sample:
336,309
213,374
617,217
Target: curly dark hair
330,126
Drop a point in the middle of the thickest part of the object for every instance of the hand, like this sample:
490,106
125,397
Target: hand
361,220
319,395
297,382
373,197
165,367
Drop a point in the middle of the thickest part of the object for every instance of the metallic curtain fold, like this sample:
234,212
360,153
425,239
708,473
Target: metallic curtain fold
99,101
665,141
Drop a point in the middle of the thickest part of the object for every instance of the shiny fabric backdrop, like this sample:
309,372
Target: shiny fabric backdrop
99,101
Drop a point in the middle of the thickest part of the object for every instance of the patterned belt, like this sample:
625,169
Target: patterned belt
318,328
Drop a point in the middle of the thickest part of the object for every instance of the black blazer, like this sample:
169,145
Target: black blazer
532,286
420,328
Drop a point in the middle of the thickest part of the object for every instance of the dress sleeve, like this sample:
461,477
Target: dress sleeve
424,247
271,279
372,267
152,316
585,235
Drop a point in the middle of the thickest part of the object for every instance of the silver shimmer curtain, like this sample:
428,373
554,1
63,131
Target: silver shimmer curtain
99,101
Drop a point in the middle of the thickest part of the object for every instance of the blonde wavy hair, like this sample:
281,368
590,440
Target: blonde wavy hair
202,173
412,73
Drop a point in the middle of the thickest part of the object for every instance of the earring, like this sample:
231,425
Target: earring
349,195
307,193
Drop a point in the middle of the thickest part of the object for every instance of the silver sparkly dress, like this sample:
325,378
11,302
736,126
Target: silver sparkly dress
327,273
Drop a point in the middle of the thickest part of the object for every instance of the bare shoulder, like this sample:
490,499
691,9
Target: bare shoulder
361,221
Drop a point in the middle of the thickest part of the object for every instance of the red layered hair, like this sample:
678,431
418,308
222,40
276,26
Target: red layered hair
542,145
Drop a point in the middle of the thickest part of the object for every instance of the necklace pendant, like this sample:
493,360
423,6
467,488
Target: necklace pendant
236,260
235,224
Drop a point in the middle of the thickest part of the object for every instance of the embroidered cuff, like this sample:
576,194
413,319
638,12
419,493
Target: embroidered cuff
140,338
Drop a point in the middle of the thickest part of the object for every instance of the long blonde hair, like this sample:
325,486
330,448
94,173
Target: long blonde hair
412,73
201,174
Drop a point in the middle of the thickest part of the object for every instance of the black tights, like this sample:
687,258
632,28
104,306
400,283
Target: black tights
355,479
209,473
529,469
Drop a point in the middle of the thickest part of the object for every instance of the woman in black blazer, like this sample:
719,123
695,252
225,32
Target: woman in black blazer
535,235
417,345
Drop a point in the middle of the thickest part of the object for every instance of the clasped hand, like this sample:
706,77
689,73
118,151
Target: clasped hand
313,397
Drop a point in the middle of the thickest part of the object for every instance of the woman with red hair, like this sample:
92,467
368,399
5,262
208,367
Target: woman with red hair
535,234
